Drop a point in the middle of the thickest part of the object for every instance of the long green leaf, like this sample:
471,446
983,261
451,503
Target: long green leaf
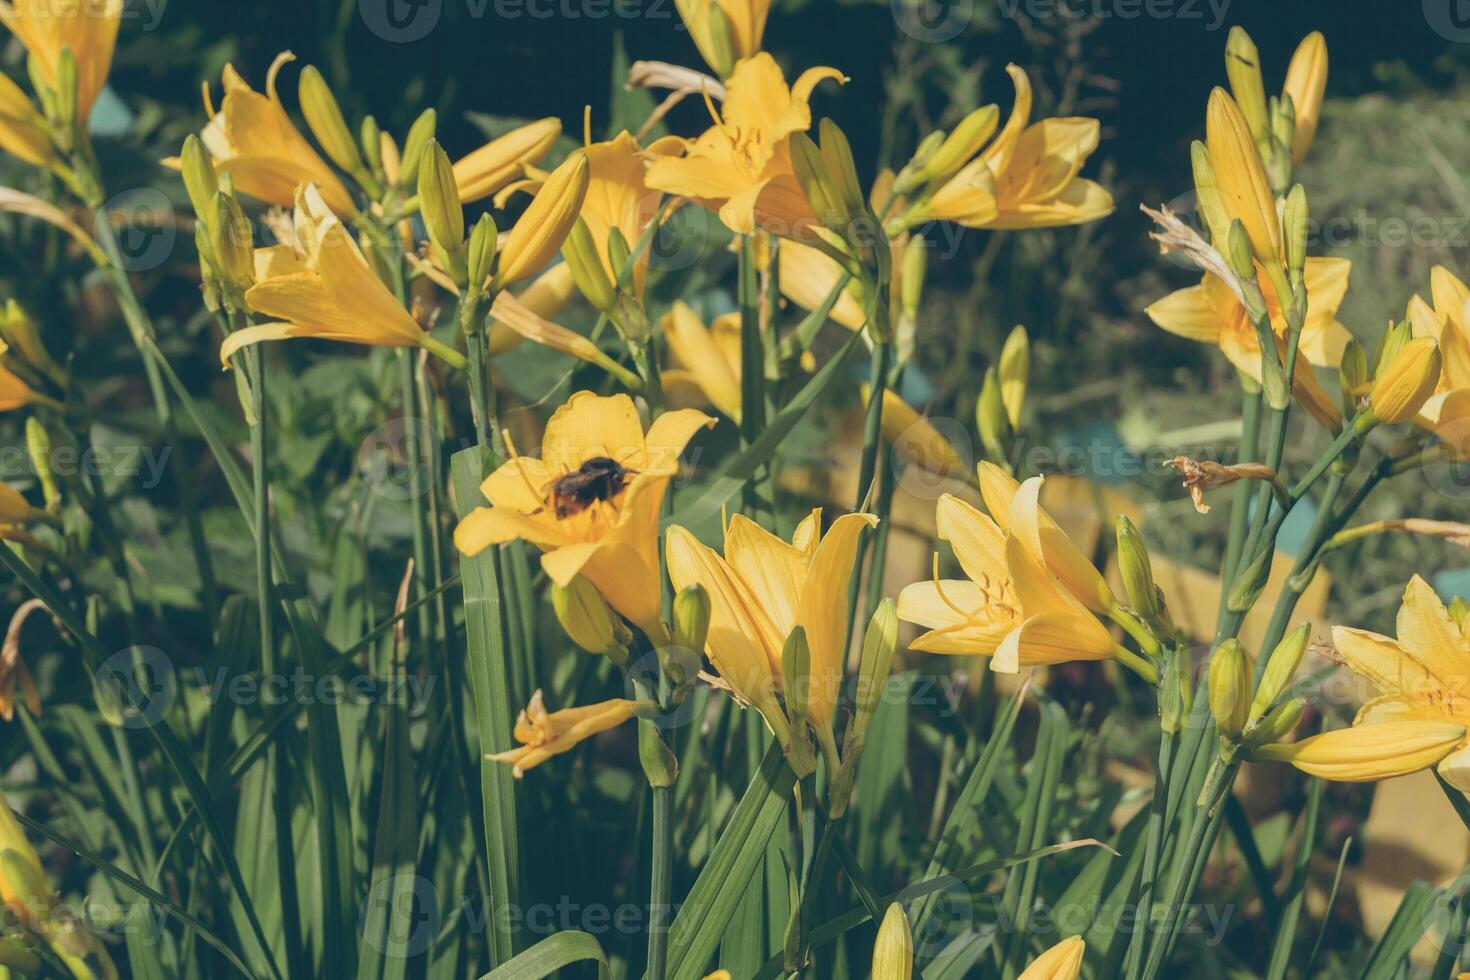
550,955
490,685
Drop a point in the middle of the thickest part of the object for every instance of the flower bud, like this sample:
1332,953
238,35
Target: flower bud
796,670
1306,83
880,642
66,90
619,255
1137,570
1176,690
963,142
660,766
691,617
370,135
1364,753
1207,197
414,147
1403,387
913,172
1015,371
19,331
481,251
837,154
1392,341
816,182
1279,723
1280,669
23,884
198,173
1294,230
992,419
1352,376
721,54
911,280
1249,583
1238,252
584,615
442,212
1242,179
1277,156
230,241
1230,686
544,225
587,271
38,447
893,951
324,117
1243,68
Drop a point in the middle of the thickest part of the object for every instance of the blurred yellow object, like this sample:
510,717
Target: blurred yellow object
543,733
1062,962
1306,83
537,235
915,437
736,36
505,159
22,127
704,360
87,28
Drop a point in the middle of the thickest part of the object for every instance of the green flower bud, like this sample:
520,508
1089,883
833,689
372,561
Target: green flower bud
1015,372
1238,252
481,252
817,183
371,137
796,669
442,212
414,146
960,145
1243,68
231,242
1352,376
1280,669
1392,341
1230,686
38,446
1294,228
1176,691
691,617
660,766
324,117
198,173
1210,204
619,254
584,615
837,155
1137,570
991,418
1279,723
587,272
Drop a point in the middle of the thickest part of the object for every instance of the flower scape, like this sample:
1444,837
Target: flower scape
559,552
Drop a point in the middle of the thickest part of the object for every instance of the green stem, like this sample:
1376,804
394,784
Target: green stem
873,421
752,357
1153,846
661,885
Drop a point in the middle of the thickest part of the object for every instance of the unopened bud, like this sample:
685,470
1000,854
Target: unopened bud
1392,341
1352,376
586,266
442,212
1015,372
911,280
584,615
893,951
230,242
880,642
721,55
660,766
619,254
796,670
963,142
370,136
691,617
481,257
414,146
1238,252
1207,196
1294,228
1243,68
1230,685
1280,669
1137,570
816,182
38,446
1176,692
991,418
324,117
198,173
1279,723
837,154
19,331
1249,583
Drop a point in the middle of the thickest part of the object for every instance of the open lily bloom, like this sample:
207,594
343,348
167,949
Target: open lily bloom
741,166
504,160
611,537
543,733
705,360
87,27
807,275
1447,321
252,139
1030,594
1424,675
1062,962
1211,314
1026,178
618,196
322,286
761,590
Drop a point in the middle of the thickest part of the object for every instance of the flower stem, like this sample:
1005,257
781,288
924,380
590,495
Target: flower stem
1152,848
752,357
660,886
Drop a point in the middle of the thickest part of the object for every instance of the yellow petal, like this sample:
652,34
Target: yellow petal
978,542
997,487
1062,962
588,425
824,609
1189,313
485,171
1242,180
1425,627
1365,753
694,348
761,559
1051,545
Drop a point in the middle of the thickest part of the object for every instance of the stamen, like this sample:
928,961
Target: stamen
940,589
709,104
587,125
510,443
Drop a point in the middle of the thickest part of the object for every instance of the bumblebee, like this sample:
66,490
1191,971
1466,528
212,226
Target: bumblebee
599,478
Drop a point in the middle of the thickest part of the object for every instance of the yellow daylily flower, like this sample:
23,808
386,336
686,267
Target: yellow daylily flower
1062,962
618,196
1021,602
14,392
505,159
545,297
22,127
1241,177
1423,676
1404,384
543,733
1368,753
741,166
745,23
252,139
611,541
87,27
704,359
1306,83
1447,320
1210,313
322,286
1448,417
1026,177
914,436
761,590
